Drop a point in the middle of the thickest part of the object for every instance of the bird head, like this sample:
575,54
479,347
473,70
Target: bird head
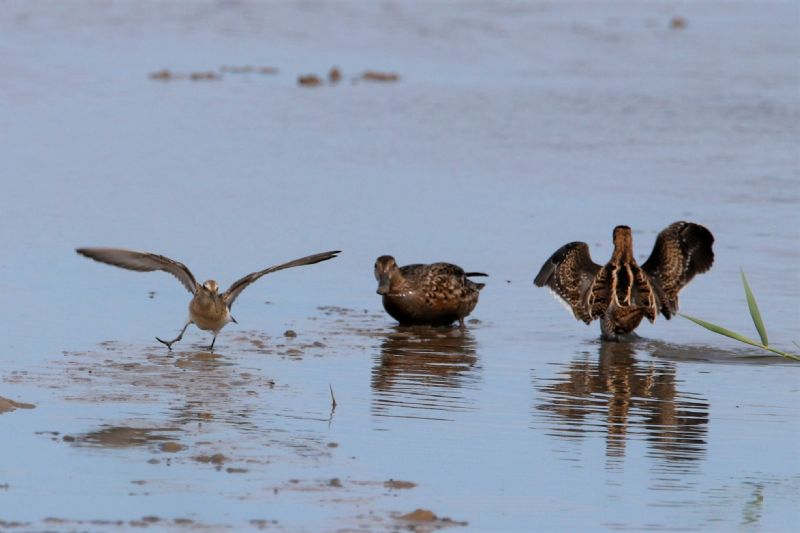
211,286
385,269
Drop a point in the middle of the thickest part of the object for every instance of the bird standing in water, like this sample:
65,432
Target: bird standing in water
435,295
621,293
208,310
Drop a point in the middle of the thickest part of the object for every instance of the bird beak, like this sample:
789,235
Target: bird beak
384,285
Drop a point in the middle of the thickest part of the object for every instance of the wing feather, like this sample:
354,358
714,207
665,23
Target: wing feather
238,286
142,262
569,274
682,250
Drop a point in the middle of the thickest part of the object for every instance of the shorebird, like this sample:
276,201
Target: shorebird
208,310
437,294
621,293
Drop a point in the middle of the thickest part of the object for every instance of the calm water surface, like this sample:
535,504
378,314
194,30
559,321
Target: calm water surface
515,128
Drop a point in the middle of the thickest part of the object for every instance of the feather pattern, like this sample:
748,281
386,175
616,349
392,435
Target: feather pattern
621,293
142,262
570,274
681,251
431,294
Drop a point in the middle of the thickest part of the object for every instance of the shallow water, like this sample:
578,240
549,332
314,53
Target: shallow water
514,129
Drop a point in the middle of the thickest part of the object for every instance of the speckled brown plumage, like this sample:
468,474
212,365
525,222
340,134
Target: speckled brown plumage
621,293
437,294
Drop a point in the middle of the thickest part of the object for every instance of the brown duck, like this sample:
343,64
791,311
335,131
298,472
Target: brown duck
435,295
621,293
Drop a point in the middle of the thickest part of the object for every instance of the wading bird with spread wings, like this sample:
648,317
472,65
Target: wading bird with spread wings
208,310
621,293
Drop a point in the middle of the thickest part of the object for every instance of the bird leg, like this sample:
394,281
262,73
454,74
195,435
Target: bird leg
461,322
176,339
211,348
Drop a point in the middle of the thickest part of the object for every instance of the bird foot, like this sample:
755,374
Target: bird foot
168,344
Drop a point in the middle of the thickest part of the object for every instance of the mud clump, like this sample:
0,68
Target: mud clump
9,525
216,459
334,75
204,76
678,23
398,484
419,515
246,69
162,75
6,405
374,75
263,524
429,518
123,436
290,333
236,69
171,447
309,80
168,75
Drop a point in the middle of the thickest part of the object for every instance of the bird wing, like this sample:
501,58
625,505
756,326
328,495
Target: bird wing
445,281
142,262
682,250
569,274
238,286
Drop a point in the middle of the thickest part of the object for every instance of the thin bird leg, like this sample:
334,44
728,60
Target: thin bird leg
211,348
461,322
176,339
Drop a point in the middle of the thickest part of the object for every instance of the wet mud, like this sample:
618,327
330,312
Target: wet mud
6,405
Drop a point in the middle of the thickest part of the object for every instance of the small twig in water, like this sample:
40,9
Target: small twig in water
333,398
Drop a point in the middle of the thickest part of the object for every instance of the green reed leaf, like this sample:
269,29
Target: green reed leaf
787,355
722,331
754,313
741,338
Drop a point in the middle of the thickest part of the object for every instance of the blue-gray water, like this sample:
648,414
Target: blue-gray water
515,128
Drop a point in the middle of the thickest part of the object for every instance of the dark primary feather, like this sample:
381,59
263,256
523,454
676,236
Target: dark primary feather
238,286
569,274
141,262
681,251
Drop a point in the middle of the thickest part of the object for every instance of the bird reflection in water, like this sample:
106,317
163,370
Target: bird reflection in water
421,372
628,400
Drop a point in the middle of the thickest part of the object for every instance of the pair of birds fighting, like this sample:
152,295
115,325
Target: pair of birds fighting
620,293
